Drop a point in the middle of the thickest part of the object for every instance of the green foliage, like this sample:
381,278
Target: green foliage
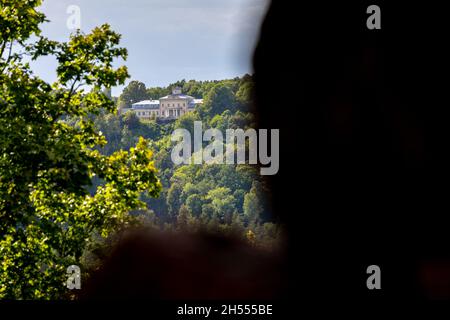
244,95
186,121
252,205
131,120
217,197
219,99
134,92
222,202
157,92
49,154
123,131
19,20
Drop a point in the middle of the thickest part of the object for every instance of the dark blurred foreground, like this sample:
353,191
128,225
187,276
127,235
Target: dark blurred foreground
185,266
364,150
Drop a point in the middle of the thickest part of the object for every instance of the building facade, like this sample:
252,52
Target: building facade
171,106
146,109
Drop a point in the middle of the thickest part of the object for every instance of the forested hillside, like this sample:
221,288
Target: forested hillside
214,196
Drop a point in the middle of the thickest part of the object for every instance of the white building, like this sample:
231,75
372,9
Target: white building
176,104
146,109
172,106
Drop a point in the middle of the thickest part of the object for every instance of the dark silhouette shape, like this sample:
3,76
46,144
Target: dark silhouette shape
183,266
363,143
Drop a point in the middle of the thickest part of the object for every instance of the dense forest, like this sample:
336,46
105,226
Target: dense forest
217,197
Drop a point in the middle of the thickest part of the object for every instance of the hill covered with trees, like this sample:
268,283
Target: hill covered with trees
229,198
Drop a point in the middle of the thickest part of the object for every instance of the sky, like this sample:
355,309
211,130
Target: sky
167,40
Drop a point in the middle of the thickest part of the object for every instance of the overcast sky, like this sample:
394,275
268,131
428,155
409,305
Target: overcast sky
167,40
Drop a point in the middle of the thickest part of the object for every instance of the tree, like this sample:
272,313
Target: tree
186,121
173,198
49,154
111,128
219,99
245,93
157,92
194,203
131,120
184,218
252,206
222,201
236,223
127,140
134,92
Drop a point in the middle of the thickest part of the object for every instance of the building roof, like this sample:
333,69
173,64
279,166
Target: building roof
146,104
176,96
